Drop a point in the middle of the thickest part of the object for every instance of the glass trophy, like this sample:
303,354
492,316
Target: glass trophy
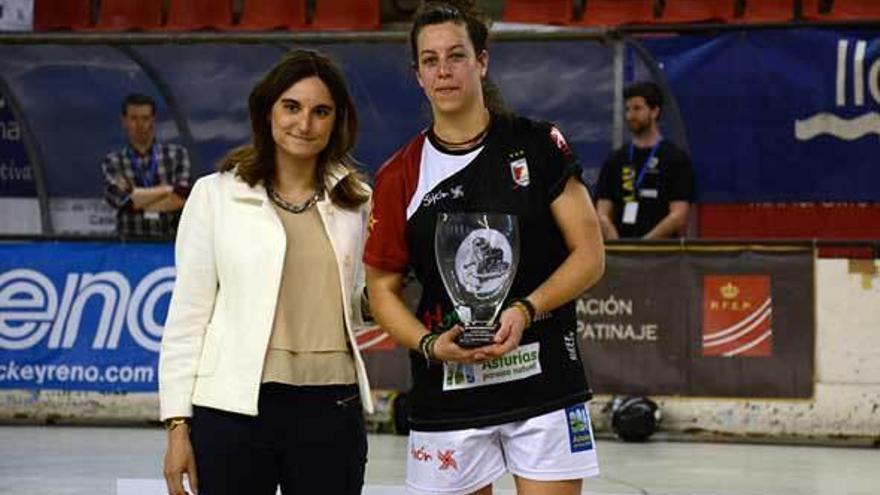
477,255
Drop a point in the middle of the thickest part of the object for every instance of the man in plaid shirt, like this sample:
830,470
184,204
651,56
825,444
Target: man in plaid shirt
146,181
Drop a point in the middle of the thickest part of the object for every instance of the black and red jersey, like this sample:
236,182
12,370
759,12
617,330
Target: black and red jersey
520,168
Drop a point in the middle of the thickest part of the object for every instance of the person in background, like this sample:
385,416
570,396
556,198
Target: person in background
146,181
517,405
645,188
260,379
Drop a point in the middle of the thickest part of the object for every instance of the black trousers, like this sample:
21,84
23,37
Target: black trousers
310,440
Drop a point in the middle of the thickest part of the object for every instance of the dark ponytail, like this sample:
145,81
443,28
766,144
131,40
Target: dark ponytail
465,13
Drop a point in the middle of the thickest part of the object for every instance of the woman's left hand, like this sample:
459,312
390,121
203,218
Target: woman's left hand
512,324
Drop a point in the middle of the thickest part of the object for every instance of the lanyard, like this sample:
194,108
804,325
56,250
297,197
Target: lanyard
646,165
144,180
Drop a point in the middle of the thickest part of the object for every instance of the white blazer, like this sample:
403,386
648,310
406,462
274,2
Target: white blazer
229,255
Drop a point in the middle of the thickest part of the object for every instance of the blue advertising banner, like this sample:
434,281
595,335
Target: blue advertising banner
16,175
779,115
83,316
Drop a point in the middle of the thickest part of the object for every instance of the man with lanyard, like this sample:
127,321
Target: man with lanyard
146,181
645,189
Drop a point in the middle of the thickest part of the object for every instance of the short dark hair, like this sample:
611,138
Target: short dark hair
648,90
138,99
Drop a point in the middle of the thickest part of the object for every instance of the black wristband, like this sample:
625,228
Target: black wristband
528,305
425,345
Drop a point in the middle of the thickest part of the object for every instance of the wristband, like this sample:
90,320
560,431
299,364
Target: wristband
429,347
525,312
529,307
426,345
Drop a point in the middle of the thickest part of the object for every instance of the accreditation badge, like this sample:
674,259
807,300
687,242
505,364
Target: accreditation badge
630,212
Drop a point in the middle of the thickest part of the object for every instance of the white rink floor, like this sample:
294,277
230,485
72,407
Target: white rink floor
83,460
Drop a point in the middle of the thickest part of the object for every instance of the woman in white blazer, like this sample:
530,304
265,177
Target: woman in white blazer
260,380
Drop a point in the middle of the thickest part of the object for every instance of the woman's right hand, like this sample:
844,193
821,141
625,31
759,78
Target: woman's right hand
446,349
180,459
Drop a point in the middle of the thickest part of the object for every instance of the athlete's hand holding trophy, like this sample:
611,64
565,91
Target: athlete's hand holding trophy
477,255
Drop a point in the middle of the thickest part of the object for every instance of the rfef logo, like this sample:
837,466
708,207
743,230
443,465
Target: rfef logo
737,316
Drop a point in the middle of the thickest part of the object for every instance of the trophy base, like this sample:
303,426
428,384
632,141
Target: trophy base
476,336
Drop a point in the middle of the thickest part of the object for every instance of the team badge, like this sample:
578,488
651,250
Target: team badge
519,168
580,435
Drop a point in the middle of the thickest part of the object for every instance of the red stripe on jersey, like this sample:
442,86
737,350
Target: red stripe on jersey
396,182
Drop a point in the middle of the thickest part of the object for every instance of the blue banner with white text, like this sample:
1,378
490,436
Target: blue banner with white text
781,114
83,316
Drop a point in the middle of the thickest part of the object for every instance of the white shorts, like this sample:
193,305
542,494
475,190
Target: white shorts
555,446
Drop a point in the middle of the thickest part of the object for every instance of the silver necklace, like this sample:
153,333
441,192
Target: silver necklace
293,208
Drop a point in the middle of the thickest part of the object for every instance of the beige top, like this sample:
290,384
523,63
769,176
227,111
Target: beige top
309,343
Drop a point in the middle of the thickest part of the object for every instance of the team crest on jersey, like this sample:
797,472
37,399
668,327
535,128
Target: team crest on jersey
519,168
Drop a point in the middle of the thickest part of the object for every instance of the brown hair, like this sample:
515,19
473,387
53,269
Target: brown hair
461,12
648,90
255,163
